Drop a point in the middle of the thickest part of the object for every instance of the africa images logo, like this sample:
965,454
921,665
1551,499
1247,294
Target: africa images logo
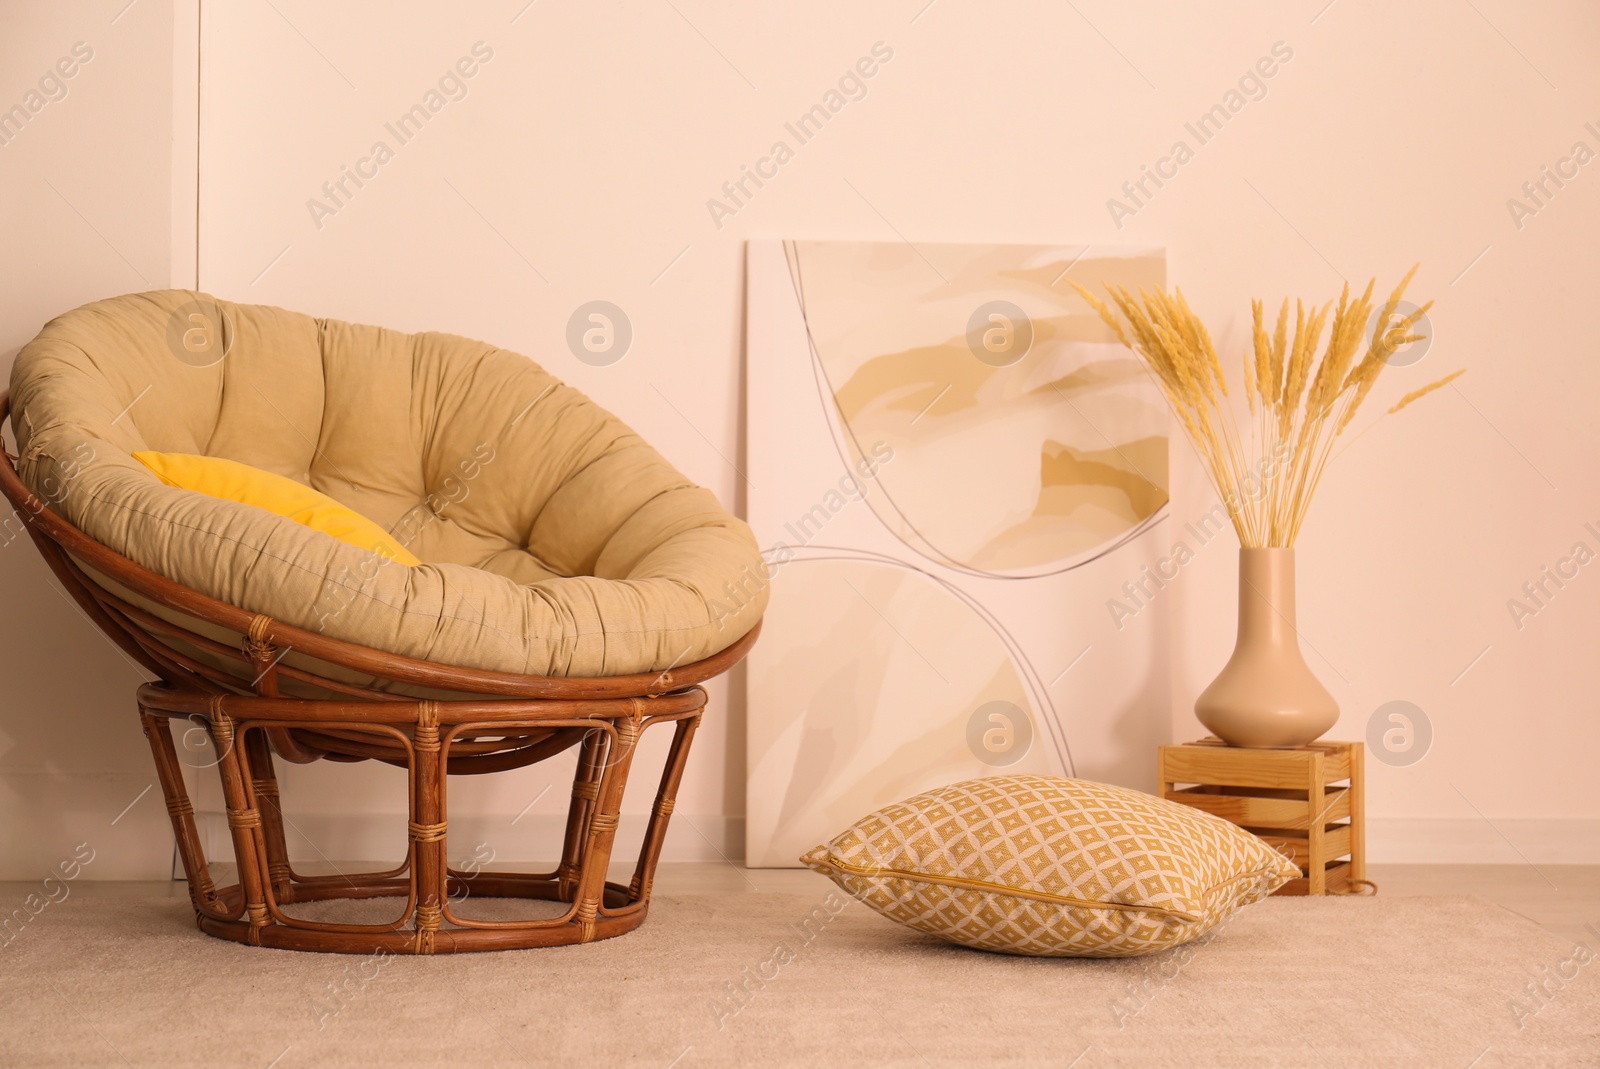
851,86
1251,86
337,192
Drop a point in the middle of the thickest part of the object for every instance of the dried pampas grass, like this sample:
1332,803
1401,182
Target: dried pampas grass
1298,403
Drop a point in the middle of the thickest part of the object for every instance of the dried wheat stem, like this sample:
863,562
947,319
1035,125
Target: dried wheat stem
1294,397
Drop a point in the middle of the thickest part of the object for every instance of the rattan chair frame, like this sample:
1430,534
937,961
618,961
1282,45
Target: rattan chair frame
483,722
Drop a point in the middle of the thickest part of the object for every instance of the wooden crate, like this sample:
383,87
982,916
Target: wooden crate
1307,802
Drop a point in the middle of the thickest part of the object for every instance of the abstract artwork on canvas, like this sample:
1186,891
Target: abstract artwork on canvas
957,475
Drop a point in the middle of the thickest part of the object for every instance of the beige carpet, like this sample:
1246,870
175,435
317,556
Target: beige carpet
1402,982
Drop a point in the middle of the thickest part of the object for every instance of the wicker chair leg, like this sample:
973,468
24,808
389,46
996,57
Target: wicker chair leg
603,828
666,798
244,820
428,864
202,891
267,801
585,791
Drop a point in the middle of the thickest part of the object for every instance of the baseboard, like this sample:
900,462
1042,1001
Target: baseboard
535,838
1442,841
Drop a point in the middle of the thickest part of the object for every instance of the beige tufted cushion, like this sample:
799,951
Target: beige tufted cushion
1051,867
554,540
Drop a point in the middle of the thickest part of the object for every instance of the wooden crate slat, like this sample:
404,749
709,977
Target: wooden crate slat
1270,792
1336,756
1284,769
1335,844
1242,809
1336,805
1338,882
1289,814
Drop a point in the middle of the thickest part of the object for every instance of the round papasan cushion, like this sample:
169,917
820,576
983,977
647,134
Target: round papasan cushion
554,541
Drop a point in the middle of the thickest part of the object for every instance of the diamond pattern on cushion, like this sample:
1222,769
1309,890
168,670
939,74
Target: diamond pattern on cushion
1051,867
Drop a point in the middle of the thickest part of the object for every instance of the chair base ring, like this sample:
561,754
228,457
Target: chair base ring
562,931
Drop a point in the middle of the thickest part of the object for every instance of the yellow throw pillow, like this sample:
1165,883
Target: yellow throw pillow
1051,867
233,481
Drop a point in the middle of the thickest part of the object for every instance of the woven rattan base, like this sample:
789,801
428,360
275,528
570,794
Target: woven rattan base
430,739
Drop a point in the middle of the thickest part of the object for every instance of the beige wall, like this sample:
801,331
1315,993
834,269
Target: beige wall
87,187
579,165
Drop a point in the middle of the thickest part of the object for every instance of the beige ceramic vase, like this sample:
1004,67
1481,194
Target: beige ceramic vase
1267,696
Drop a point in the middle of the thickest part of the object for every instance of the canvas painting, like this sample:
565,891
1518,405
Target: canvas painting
954,469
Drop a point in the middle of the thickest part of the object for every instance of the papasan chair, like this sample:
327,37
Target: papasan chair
573,590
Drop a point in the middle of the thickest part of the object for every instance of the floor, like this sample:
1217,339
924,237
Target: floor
726,978
1420,976
1563,899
